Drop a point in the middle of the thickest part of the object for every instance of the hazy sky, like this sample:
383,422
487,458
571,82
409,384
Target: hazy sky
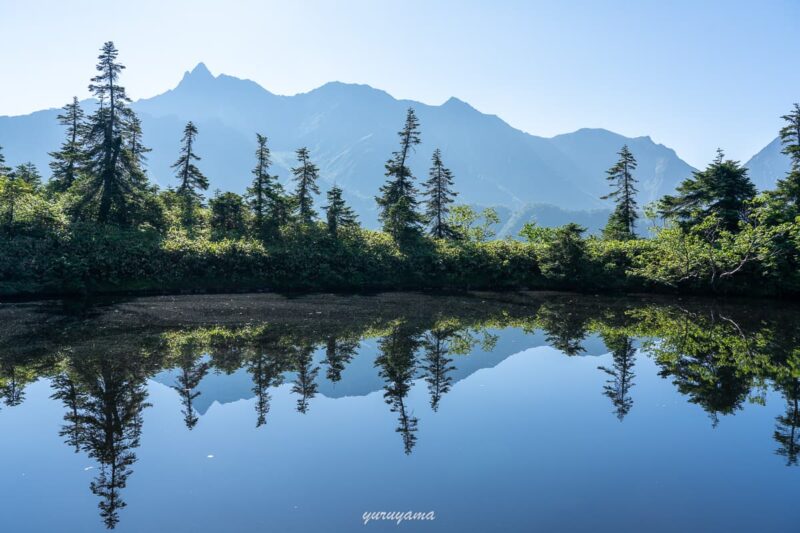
693,75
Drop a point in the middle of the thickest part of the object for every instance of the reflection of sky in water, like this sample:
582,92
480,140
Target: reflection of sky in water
523,441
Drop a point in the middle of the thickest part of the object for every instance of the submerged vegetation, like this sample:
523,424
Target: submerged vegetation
99,224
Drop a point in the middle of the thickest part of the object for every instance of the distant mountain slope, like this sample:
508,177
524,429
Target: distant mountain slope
351,131
659,171
768,165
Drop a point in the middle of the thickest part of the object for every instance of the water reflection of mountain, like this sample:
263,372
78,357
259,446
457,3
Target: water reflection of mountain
719,357
360,376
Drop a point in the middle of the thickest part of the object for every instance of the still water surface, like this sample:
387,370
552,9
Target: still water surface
493,412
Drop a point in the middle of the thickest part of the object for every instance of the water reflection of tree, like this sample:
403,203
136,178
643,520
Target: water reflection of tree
14,377
266,367
704,357
617,388
192,371
105,396
338,354
436,364
66,389
786,428
397,363
565,326
306,373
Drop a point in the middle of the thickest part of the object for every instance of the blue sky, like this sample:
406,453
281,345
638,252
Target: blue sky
693,75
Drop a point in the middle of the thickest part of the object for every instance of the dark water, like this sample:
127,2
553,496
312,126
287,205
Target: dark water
487,412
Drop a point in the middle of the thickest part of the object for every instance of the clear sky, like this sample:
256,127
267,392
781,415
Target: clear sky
693,75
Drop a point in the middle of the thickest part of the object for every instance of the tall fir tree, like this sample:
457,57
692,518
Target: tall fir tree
397,201
115,184
191,180
622,221
439,193
789,186
305,175
68,160
261,189
722,189
266,197
339,214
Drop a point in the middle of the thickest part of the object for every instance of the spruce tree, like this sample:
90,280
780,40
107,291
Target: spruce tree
789,186
622,222
306,175
68,160
439,196
722,189
190,178
398,202
339,214
115,183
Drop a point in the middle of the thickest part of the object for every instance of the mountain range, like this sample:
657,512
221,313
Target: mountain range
351,132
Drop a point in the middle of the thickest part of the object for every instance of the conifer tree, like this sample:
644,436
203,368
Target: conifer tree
622,222
305,175
398,202
190,178
114,182
789,186
262,187
138,150
439,196
227,215
4,170
68,160
339,214
28,173
722,189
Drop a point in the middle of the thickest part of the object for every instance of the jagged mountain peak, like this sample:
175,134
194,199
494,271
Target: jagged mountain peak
198,74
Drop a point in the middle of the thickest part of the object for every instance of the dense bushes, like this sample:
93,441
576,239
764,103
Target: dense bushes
85,258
